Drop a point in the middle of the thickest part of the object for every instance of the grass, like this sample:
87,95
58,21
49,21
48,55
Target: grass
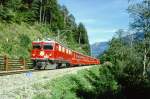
96,82
16,39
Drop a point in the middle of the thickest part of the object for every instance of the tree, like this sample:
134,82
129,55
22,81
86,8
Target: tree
48,16
140,13
82,38
28,2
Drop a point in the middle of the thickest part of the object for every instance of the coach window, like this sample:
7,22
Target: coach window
59,48
48,47
36,46
67,51
63,49
77,56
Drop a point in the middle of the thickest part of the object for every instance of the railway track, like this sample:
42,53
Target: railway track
4,73
12,72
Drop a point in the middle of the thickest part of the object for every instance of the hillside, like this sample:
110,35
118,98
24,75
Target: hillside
98,48
22,21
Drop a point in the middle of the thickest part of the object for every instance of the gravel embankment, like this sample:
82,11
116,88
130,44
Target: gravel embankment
21,86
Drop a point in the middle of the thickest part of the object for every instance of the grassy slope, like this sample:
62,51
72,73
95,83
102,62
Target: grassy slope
11,35
94,83
16,38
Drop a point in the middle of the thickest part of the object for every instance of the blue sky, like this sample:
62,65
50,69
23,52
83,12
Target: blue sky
100,17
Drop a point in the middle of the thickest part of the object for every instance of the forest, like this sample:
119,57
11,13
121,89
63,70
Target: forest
24,21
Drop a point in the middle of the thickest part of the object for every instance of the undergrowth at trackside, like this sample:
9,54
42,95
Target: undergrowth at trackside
96,82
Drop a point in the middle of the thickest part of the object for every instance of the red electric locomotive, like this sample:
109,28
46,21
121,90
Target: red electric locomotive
52,55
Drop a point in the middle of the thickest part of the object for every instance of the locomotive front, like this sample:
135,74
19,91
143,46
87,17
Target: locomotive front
42,54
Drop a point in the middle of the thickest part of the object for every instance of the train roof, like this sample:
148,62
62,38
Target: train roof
43,41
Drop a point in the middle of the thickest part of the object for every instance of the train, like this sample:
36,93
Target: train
51,54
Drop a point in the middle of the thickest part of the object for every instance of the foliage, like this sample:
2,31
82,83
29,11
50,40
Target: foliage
94,83
38,19
131,58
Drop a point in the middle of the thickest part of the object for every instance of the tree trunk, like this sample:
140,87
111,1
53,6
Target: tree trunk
79,38
64,20
41,11
50,17
144,61
43,14
45,20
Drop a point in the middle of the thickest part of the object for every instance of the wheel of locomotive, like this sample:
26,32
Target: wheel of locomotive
55,66
40,65
50,65
36,65
58,65
33,63
67,65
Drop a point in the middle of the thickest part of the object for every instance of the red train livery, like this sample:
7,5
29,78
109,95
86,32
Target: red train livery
52,55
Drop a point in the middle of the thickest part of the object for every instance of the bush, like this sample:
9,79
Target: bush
94,83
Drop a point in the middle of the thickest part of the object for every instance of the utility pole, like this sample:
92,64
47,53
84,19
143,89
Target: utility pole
41,10
79,38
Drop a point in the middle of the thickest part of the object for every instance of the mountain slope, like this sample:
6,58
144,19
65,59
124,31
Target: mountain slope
139,36
98,48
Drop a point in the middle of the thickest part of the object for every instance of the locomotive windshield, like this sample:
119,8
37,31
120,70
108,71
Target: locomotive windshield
36,46
47,47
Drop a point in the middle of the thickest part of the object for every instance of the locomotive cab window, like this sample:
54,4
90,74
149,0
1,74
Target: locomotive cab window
47,47
36,46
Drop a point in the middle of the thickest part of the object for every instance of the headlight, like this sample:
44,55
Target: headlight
33,55
42,53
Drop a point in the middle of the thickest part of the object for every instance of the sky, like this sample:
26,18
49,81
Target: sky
102,18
